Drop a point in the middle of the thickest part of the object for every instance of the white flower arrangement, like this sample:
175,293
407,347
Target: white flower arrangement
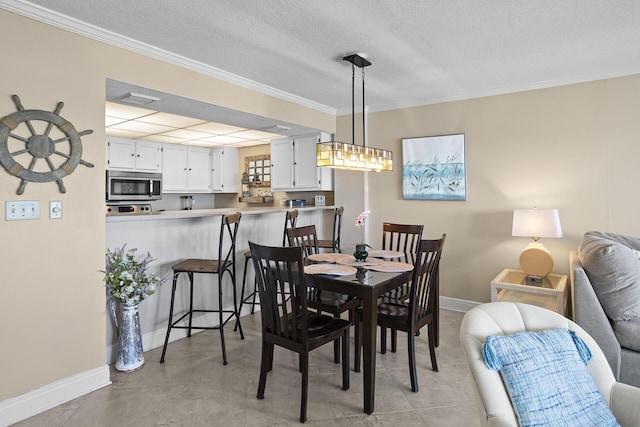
127,279
360,224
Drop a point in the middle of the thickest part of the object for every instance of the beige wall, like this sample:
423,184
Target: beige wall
52,300
574,148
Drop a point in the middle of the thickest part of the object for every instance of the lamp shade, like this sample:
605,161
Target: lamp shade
536,223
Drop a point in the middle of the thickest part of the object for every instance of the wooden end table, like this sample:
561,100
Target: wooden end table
551,294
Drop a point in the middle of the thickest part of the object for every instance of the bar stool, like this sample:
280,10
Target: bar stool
334,243
290,219
226,263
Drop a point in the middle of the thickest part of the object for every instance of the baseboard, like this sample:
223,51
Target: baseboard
51,395
456,304
154,339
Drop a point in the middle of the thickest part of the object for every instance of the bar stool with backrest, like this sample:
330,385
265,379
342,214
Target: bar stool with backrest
286,321
226,263
418,310
290,220
334,243
323,301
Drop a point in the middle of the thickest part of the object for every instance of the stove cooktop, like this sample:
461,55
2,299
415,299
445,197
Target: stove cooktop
131,209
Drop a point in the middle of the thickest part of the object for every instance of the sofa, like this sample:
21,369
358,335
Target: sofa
605,277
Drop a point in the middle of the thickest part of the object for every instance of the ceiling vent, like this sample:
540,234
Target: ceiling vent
138,99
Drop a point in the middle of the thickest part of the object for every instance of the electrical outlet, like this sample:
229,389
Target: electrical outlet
55,209
17,211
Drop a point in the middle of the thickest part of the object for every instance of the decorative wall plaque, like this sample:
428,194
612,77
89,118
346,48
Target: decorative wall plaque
43,136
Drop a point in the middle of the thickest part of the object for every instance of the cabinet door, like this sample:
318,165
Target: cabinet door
199,169
174,168
148,156
216,169
282,164
306,172
229,170
121,153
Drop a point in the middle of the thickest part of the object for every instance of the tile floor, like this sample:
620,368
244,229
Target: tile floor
193,388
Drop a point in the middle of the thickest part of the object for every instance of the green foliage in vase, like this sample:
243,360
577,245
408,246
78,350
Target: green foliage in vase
128,279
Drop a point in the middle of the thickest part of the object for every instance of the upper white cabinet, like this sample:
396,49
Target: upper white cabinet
134,155
293,164
224,170
186,169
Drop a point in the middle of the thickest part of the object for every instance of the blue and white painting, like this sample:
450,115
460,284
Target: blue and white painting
433,168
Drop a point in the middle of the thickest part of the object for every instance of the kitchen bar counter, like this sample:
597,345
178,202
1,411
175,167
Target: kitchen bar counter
195,234
199,213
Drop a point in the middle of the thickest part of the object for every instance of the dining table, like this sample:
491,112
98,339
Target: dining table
367,285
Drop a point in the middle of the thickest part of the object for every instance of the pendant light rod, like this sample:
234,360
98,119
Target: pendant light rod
356,60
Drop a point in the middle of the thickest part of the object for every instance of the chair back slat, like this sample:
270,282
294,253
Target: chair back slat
424,283
401,237
337,227
290,220
304,237
280,279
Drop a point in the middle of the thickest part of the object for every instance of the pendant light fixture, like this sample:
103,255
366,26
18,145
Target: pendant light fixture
340,155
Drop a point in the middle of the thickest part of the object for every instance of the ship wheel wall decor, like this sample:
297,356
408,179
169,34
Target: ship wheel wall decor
28,136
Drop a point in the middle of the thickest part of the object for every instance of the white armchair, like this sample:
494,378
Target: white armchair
505,318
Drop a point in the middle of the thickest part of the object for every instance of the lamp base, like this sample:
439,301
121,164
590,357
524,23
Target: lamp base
536,261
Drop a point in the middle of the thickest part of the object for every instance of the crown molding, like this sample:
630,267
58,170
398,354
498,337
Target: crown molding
65,22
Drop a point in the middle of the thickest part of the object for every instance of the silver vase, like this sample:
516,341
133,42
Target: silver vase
130,356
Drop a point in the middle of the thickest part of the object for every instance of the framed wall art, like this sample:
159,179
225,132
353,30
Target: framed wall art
433,168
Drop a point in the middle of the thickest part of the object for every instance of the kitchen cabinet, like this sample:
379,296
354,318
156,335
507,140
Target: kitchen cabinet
293,164
224,170
186,169
133,155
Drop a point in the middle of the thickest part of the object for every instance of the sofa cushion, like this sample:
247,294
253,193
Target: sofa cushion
612,264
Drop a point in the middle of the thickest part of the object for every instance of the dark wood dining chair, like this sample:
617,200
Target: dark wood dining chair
287,322
412,314
334,243
224,264
323,301
290,220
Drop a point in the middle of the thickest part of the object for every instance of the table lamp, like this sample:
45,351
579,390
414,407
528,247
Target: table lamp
535,259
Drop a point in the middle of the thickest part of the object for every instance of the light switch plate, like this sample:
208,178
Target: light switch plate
19,210
55,209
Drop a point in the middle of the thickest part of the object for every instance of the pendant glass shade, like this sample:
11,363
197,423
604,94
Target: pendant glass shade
340,155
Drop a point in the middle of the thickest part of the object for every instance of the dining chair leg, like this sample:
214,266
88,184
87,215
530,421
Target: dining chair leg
345,360
265,362
432,345
304,361
411,344
173,298
357,344
383,340
270,354
394,340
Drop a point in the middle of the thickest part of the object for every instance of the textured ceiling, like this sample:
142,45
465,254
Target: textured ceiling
422,51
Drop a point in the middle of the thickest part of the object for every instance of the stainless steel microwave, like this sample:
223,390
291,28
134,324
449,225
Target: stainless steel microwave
132,186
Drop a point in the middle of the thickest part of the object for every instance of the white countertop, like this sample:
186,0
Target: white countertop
199,213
